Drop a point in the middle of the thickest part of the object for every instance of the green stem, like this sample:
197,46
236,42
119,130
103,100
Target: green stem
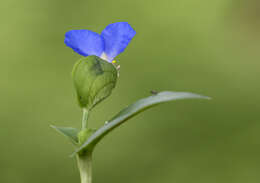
85,167
85,119
84,159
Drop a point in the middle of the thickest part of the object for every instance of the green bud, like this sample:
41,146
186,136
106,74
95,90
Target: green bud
94,80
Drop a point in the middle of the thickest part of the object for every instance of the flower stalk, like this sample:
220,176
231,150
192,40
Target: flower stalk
85,118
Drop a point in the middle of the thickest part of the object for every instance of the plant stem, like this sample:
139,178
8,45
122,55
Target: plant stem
85,119
85,167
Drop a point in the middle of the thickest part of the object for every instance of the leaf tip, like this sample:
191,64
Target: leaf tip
53,127
208,98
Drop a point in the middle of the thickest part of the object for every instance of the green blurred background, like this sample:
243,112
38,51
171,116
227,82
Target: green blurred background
207,47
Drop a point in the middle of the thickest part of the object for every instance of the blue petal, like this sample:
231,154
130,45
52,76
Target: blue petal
117,36
84,42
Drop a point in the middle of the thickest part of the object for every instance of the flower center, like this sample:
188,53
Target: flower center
104,56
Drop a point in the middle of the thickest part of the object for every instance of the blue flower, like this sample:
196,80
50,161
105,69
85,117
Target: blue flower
111,42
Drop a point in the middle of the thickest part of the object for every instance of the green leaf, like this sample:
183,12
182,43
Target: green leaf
94,80
71,133
133,110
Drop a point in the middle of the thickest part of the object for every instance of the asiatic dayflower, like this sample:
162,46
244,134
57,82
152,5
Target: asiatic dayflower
111,42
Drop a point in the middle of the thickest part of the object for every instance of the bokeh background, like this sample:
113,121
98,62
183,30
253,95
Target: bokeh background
207,47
